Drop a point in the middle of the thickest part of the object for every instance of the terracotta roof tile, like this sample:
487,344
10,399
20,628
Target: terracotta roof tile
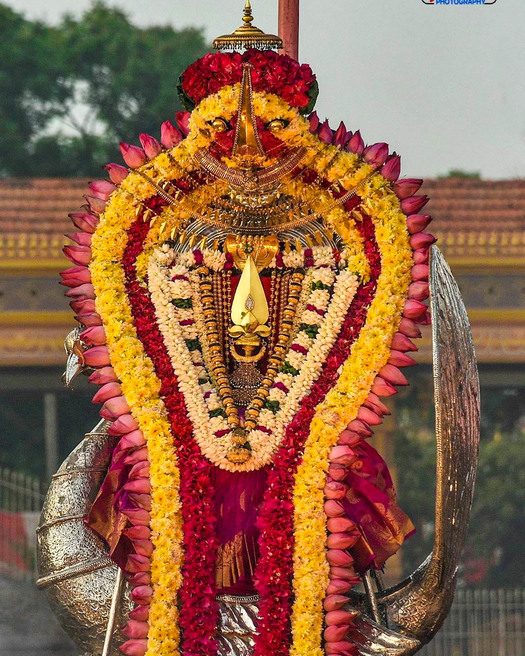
471,216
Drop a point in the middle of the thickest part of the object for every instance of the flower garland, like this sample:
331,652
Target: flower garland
141,388
323,315
290,550
368,356
271,72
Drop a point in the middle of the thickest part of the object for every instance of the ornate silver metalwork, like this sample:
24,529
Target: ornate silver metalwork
81,581
74,569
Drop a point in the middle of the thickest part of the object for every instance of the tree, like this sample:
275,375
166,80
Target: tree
105,80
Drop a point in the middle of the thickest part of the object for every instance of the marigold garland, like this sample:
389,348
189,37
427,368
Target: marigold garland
292,572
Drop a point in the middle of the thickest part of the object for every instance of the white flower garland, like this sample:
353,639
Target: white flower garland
168,282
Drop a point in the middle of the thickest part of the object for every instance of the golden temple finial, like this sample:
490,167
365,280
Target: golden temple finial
248,36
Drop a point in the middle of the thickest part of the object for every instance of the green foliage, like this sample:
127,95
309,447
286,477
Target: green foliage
459,173
496,542
69,93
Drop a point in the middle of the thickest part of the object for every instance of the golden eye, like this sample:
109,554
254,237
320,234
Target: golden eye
219,125
276,125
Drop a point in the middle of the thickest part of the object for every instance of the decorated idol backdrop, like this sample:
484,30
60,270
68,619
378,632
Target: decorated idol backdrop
248,290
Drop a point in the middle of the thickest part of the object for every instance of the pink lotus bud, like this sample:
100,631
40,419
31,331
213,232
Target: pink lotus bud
413,204
135,629
84,291
89,319
314,122
376,154
358,426
122,425
341,648
402,343
339,558
84,221
80,238
80,255
334,508
143,547
418,291
382,387
418,222
94,336
400,359
114,408
137,516
139,578
133,155
117,173
340,135
183,121
83,305
140,470
342,455
103,376
408,187
425,319
142,595
341,617
150,145
97,356
335,602
367,415
341,540
134,647
393,375
106,392
340,525
336,633
325,133
413,309
140,500
419,272
140,455
338,586
392,168
138,533
96,205
170,136
347,573
356,144
139,486
101,189
409,328
422,240
75,276
337,472
132,440
374,402
421,255
349,438
141,613
335,490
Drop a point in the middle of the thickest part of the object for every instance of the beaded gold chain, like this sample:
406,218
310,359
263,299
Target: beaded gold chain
240,451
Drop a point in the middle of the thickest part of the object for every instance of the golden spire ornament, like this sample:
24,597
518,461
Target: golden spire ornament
248,36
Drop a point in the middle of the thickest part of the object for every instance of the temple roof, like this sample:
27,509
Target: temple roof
473,218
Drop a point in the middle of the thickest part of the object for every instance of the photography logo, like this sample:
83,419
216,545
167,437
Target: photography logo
459,2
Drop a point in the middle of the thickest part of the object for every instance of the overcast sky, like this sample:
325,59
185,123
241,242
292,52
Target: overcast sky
444,85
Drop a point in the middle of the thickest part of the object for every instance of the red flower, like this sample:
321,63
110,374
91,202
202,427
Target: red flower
272,73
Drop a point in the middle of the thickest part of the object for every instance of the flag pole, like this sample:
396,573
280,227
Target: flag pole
289,26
